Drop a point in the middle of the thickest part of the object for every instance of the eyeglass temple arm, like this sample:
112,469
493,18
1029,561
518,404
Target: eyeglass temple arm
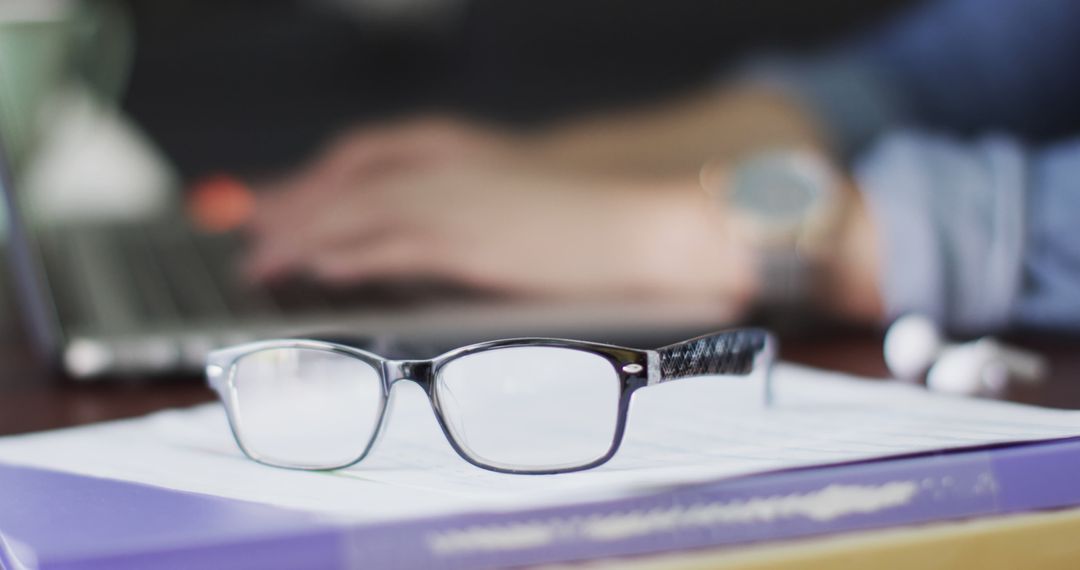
737,352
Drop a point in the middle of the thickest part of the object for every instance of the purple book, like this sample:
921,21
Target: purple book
52,521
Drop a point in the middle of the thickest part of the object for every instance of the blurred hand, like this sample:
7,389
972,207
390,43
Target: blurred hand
561,213
445,201
369,153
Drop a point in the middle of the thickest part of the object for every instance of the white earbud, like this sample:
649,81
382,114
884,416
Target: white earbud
985,367
912,344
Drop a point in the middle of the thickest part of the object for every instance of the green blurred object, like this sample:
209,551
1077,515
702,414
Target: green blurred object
48,44
31,66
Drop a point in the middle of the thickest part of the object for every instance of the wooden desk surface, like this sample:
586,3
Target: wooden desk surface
32,398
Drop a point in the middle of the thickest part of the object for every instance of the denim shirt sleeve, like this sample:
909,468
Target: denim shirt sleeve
980,236
960,65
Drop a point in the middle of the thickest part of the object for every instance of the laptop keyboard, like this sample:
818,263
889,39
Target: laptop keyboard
166,273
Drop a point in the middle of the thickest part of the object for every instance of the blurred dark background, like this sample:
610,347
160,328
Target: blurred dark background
251,86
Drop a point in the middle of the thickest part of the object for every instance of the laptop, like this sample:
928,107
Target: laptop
153,296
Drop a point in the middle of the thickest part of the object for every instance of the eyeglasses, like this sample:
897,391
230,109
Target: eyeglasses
513,406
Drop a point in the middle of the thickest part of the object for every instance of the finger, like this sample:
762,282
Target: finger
278,202
390,258
368,149
305,189
287,249
349,164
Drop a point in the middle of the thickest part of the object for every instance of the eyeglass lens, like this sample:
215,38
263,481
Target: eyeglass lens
531,408
308,408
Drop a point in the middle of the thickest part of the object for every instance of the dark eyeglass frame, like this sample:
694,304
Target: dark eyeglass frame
737,352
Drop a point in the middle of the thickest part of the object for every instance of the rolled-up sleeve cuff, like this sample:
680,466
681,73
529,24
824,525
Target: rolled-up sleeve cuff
949,218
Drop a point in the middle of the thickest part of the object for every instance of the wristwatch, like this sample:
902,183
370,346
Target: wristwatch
785,206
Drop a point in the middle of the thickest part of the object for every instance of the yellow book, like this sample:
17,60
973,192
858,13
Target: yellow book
1044,540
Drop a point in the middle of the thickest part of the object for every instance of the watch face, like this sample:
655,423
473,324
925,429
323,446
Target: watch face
779,188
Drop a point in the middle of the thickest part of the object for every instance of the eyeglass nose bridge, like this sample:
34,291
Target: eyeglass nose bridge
419,371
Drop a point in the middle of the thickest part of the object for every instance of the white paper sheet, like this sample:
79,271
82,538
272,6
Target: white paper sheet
685,431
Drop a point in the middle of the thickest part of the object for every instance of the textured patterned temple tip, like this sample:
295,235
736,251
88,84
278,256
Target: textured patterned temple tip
729,352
